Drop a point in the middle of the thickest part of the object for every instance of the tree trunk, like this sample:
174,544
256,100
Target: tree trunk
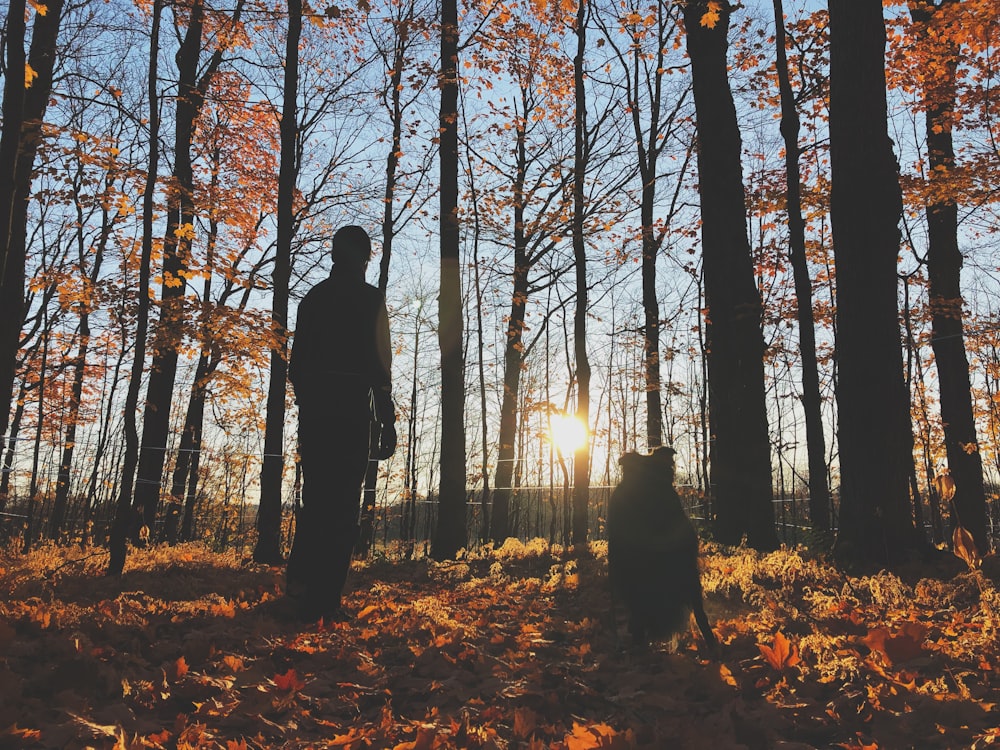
58,515
581,459
876,439
944,267
450,534
513,352
124,519
268,548
33,500
366,538
812,403
741,451
190,444
23,113
8,456
12,257
176,260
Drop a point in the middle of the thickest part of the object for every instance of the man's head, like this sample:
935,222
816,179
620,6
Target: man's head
351,247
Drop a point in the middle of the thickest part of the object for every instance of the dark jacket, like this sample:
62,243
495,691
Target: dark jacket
341,346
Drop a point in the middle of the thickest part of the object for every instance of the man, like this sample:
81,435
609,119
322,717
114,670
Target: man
339,368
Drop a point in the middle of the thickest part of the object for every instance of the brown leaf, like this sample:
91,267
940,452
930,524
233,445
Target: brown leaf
944,485
905,645
964,547
782,654
289,682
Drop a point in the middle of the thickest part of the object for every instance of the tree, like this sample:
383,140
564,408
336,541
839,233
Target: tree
819,491
124,519
655,121
27,85
177,245
450,535
740,453
875,434
396,56
936,31
536,198
268,548
581,459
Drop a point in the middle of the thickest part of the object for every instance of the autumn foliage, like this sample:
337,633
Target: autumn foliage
507,648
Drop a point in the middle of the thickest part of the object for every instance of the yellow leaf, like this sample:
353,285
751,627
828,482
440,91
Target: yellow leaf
782,654
944,484
29,75
964,547
40,8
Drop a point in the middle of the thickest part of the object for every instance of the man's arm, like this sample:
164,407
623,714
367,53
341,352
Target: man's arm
385,412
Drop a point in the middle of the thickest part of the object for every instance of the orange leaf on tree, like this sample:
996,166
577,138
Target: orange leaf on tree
711,16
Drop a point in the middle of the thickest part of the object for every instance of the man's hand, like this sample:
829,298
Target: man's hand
386,441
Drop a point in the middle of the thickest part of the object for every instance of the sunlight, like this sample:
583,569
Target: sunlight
567,433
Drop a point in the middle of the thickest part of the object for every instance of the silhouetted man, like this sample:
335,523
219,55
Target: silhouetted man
339,368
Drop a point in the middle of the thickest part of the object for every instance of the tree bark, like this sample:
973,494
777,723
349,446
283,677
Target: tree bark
812,403
876,439
23,113
176,260
450,534
125,520
741,451
944,267
581,459
268,547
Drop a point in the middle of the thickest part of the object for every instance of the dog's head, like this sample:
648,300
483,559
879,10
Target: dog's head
658,463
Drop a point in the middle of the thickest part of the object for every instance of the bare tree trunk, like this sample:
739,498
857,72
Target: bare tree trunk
268,548
819,491
8,456
450,535
741,451
944,267
33,500
190,445
876,439
23,113
125,519
581,459
169,330
366,538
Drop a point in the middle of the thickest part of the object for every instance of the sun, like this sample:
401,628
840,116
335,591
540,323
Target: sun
567,433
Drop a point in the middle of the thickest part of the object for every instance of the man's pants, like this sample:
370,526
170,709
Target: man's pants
333,451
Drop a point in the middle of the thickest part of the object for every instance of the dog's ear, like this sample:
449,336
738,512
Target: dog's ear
664,454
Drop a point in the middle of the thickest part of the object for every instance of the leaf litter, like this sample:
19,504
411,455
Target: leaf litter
513,647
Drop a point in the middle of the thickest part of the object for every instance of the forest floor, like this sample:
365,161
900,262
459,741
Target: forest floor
509,648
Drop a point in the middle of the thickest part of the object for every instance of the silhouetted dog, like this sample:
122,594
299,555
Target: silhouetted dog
653,550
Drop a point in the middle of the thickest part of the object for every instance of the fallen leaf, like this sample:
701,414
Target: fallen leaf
964,547
782,654
906,644
289,682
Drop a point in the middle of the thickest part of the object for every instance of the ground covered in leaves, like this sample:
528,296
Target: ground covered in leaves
508,648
